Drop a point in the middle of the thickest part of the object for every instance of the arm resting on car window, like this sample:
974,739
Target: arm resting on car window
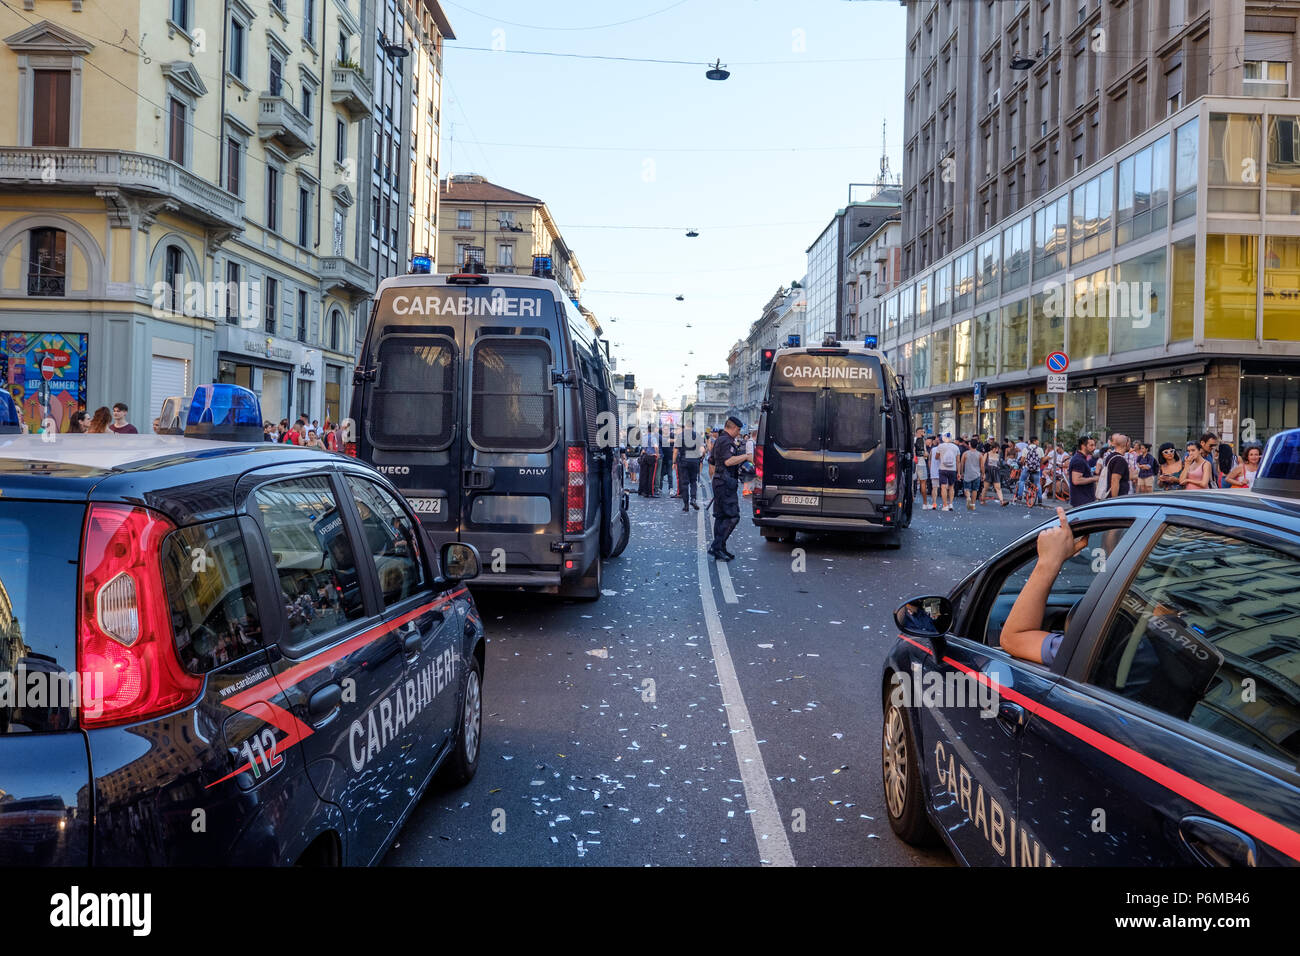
1023,634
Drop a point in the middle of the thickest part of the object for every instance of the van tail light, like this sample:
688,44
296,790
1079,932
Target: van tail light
124,632
575,498
758,463
891,476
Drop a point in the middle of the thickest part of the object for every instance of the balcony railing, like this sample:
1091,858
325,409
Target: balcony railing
340,272
46,285
280,120
75,168
349,89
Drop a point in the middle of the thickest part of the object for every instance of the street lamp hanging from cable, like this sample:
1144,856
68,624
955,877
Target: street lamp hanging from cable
716,72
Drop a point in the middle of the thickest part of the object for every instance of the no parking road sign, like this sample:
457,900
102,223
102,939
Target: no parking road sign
1058,362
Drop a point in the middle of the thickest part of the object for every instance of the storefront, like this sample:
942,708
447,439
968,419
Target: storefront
264,364
1270,401
45,372
966,416
945,414
1014,422
989,418
1179,410
1044,417
333,393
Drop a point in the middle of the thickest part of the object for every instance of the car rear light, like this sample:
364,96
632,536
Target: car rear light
124,632
891,476
575,499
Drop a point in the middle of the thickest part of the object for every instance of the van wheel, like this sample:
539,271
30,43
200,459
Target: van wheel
463,762
626,525
586,588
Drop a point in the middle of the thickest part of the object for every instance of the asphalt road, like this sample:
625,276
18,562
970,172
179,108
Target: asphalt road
613,734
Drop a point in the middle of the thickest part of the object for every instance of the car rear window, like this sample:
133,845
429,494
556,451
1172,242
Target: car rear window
414,394
39,542
214,613
513,401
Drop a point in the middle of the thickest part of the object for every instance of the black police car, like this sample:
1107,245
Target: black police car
1167,729
221,651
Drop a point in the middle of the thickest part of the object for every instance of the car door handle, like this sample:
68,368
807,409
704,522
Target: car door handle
1217,844
1011,718
412,640
324,702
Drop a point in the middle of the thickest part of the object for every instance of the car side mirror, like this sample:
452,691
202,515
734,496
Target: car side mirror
459,561
924,617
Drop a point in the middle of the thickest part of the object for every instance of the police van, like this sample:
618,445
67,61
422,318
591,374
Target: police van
487,400
832,451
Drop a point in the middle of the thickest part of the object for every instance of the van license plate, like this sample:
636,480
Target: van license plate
426,506
811,500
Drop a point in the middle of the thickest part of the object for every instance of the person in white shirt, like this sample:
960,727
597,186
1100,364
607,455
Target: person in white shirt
948,456
934,475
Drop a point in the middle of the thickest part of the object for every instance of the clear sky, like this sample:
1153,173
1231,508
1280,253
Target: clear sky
629,155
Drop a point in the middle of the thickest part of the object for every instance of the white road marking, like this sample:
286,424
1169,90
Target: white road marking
724,578
769,830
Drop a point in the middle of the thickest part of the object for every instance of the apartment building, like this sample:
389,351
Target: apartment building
875,268
1110,178
827,281
501,229
180,202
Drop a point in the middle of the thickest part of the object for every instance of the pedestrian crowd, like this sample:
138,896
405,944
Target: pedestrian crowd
306,433
979,468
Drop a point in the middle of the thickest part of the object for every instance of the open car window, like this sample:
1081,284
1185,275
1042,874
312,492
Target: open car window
1073,582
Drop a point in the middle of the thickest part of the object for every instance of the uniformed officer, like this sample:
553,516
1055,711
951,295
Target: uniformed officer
688,467
726,481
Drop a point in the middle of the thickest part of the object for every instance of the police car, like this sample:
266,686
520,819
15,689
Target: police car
1165,732
221,650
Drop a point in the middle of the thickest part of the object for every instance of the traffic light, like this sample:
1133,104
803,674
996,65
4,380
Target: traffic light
768,355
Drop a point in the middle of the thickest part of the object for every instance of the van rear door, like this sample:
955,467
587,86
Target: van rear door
794,466
854,451
513,463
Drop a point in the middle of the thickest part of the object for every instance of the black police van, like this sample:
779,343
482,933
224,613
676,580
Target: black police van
487,400
221,652
832,452
1166,729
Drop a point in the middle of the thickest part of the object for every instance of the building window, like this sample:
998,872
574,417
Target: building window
174,277
340,141
336,330
506,220
340,226
47,262
302,315
52,108
181,14
269,304
236,64
176,131
306,100
1230,286
1092,212
308,27
464,219
234,165
1186,146
277,76
272,198
345,39
506,254
1233,164
233,298
374,217
1143,192
304,216
1266,78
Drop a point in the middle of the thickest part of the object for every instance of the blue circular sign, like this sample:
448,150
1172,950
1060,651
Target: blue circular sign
1058,362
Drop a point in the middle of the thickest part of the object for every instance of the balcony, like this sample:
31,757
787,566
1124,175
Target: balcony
83,170
349,89
340,272
280,120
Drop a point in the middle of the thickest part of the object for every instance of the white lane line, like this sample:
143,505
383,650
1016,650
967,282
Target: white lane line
769,830
724,578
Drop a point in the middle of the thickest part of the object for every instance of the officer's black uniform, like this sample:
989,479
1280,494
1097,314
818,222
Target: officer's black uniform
726,484
689,453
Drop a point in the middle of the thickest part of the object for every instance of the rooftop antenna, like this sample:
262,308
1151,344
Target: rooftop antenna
885,175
